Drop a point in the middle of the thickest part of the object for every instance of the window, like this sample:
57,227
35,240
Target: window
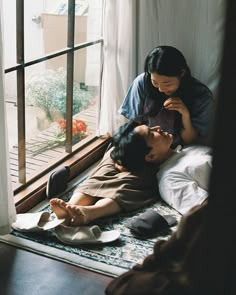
52,77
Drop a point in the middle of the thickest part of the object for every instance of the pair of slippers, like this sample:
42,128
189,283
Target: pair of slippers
43,221
146,225
150,224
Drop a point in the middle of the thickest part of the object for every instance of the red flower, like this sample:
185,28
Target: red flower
78,126
62,124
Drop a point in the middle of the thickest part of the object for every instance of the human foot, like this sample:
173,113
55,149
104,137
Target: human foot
81,215
58,206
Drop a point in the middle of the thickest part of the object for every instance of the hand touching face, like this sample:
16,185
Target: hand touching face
169,85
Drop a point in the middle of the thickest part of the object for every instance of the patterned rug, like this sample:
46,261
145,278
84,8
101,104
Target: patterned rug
111,259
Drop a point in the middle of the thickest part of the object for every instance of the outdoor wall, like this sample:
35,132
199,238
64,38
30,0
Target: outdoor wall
55,37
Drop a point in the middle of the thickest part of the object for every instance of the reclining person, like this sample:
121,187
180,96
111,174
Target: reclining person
184,173
125,180
110,188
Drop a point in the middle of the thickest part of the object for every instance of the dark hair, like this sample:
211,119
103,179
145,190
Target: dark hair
130,147
166,61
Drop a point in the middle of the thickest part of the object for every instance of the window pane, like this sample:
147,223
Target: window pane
46,25
11,115
45,31
9,27
88,20
11,107
45,94
87,76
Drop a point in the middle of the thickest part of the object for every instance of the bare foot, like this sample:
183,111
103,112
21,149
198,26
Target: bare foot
81,215
58,206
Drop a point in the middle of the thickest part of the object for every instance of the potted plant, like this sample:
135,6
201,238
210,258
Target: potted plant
47,91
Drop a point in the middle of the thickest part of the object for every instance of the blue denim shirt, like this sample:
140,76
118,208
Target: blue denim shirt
198,99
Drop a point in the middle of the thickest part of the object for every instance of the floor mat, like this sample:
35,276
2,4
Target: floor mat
111,259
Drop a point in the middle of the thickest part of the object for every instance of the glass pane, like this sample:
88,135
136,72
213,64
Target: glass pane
11,115
45,94
88,20
45,29
9,34
46,25
86,88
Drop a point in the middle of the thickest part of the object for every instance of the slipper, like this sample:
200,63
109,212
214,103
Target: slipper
150,223
85,235
57,182
34,222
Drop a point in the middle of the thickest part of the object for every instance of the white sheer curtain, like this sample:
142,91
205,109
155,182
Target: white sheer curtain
7,207
119,59
133,27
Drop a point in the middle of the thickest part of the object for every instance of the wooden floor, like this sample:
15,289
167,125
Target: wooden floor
37,160
23,272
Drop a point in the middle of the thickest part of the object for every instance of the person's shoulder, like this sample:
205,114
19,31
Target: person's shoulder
140,79
169,165
199,88
197,83
197,149
138,83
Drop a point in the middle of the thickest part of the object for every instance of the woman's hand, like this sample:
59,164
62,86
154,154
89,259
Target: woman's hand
176,104
188,132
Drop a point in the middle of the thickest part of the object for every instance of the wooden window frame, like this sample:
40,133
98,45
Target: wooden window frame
78,157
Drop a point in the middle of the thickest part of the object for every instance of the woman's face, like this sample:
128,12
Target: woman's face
165,84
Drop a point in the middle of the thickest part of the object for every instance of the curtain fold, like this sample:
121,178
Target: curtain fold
7,206
134,27
119,56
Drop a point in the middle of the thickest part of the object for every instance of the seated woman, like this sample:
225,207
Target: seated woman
166,94
125,180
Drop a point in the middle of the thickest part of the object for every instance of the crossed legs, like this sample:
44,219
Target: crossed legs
83,209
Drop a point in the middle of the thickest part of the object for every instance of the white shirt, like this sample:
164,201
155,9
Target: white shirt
183,179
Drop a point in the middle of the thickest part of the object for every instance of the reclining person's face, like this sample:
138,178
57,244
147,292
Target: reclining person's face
158,140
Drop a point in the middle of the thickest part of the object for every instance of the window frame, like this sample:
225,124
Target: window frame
78,157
